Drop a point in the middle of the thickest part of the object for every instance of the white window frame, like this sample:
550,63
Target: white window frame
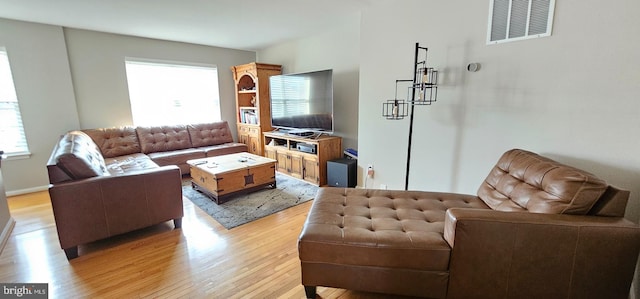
552,4
9,95
216,105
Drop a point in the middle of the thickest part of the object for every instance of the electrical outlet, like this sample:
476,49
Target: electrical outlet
370,171
383,186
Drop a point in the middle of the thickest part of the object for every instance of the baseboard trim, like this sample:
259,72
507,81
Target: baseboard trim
6,233
27,190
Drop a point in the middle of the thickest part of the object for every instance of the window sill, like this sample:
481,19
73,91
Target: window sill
16,156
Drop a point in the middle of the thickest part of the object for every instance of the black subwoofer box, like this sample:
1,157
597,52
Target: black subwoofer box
342,173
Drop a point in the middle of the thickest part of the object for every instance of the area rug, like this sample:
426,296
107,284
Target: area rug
245,208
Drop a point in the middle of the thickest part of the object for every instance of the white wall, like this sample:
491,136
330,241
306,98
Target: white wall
99,76
572,96
40,68
337,48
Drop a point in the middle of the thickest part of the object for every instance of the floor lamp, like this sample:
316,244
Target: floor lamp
422,91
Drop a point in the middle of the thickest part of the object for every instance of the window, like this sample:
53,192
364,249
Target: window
12,138
511,20
170,94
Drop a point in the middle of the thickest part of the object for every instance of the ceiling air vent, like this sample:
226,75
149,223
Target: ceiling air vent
511,20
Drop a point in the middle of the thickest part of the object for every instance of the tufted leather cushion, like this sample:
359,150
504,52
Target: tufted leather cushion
210,134
383,228
178,158
129,163
78,156
114,142
525,181
163,138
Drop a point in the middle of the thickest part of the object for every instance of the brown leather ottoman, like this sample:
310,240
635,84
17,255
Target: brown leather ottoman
393,238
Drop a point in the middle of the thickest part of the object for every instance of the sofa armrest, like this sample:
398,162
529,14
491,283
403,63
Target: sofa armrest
511,255
95,208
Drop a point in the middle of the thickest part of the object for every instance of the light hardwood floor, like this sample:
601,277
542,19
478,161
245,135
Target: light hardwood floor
201,260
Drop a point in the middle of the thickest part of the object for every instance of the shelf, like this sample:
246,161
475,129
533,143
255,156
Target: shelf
284,147
248,115
247,107
247,91
249,125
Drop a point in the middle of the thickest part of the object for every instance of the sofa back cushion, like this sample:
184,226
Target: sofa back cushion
78,156
115,142
163,138
525,181
210,134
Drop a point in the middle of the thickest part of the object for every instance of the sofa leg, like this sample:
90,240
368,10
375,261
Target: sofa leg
310,291
71,253
177,223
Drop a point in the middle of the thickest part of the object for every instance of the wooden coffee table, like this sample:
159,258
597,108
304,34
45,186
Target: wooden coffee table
222,177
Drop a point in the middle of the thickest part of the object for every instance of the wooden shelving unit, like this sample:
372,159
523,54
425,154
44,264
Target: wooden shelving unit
253,104
311,167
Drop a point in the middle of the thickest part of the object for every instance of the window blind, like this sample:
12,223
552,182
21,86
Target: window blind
13,140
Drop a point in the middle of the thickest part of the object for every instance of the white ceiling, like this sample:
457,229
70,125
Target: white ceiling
237,24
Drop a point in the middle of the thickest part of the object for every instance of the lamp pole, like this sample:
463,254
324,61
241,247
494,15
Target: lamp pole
413,98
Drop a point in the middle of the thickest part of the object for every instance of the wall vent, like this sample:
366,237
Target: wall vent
511,20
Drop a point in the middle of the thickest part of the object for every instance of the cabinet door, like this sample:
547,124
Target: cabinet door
283,162
311,170
243,135
243,138
296,165
254,145
270,153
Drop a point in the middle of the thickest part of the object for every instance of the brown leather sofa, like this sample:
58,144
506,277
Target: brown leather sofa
535,229
105,182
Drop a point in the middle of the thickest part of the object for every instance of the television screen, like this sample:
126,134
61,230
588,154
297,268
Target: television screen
302,101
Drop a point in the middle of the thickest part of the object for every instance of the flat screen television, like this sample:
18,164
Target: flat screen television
302,102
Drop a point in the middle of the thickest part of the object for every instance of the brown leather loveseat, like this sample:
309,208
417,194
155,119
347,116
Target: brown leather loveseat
536,229
105,182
